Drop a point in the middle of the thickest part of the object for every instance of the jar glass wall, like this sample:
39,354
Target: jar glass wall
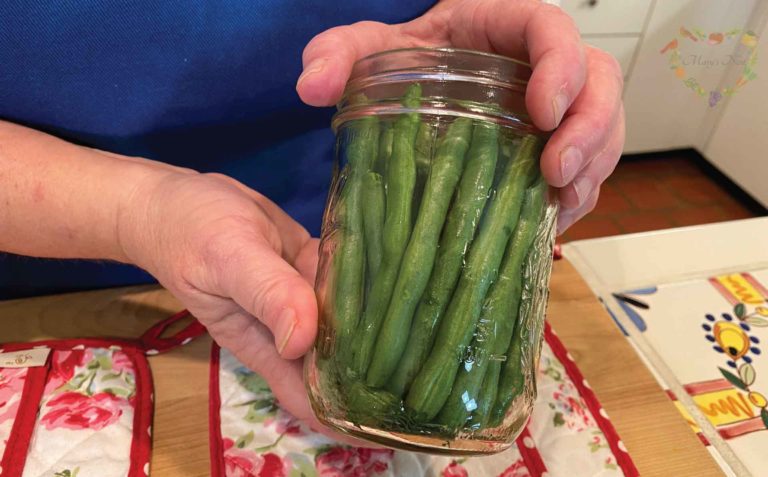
435,255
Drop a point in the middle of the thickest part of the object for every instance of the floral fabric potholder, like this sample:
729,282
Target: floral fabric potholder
569,433
80,407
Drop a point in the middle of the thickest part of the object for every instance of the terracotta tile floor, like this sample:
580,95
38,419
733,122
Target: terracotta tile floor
663,190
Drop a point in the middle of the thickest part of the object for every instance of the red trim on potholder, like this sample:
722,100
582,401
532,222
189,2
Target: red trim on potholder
143,415
150,342
24,422
614,441
68,344
216,442
153,343
531,456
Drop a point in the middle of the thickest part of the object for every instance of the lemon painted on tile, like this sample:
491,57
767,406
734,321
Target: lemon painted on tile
731,338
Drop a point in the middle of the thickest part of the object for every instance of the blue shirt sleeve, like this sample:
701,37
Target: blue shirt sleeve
197,83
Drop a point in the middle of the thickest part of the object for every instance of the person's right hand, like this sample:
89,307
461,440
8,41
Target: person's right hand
574,87
238,263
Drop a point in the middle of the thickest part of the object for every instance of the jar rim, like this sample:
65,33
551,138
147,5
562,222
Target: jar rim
482,85
521,70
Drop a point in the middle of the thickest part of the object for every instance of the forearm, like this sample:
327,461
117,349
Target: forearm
61,200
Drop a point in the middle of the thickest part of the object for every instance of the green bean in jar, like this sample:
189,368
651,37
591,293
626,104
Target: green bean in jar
435,255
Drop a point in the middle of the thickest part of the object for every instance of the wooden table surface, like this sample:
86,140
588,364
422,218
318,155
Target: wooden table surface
658,439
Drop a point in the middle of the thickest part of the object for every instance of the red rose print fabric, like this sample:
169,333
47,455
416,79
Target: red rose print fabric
342,461
85,420
72,410
246,463
12,381
11,385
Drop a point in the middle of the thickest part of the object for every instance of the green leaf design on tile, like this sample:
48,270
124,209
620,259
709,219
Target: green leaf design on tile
747,374
758,321
733,379
740,310
764,416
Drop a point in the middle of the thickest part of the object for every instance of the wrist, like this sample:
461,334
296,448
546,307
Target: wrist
136,218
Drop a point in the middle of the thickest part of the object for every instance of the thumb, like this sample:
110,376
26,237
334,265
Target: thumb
267,287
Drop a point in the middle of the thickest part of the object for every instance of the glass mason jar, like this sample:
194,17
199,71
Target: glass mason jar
435,255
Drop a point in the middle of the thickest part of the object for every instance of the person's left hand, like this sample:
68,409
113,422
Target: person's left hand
574,87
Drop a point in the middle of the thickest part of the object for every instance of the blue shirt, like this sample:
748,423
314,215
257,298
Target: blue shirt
202,84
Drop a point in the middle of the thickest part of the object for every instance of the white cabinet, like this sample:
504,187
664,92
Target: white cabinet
595,17
662,111
669,102
739,144
611,25
623,48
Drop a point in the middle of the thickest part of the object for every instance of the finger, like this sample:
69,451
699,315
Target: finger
568,217
249,341
543,33
250,272
596,171
593,122
306,261
559,69
329,56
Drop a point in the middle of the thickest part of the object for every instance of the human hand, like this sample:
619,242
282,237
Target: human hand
239,264
574,87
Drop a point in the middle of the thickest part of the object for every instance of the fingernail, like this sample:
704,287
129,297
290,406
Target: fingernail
583,187
286,323
570,163
559,105
313,68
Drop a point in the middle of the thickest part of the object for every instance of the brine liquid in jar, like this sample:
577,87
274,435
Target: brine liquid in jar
435,255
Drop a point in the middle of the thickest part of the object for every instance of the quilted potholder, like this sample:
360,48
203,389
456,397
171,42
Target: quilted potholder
80,407
569,433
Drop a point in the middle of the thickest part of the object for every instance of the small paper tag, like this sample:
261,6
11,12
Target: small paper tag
28,358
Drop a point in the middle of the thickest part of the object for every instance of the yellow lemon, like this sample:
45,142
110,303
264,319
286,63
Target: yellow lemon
757,399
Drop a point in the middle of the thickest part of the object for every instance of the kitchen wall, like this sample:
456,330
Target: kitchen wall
738,142
679,101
